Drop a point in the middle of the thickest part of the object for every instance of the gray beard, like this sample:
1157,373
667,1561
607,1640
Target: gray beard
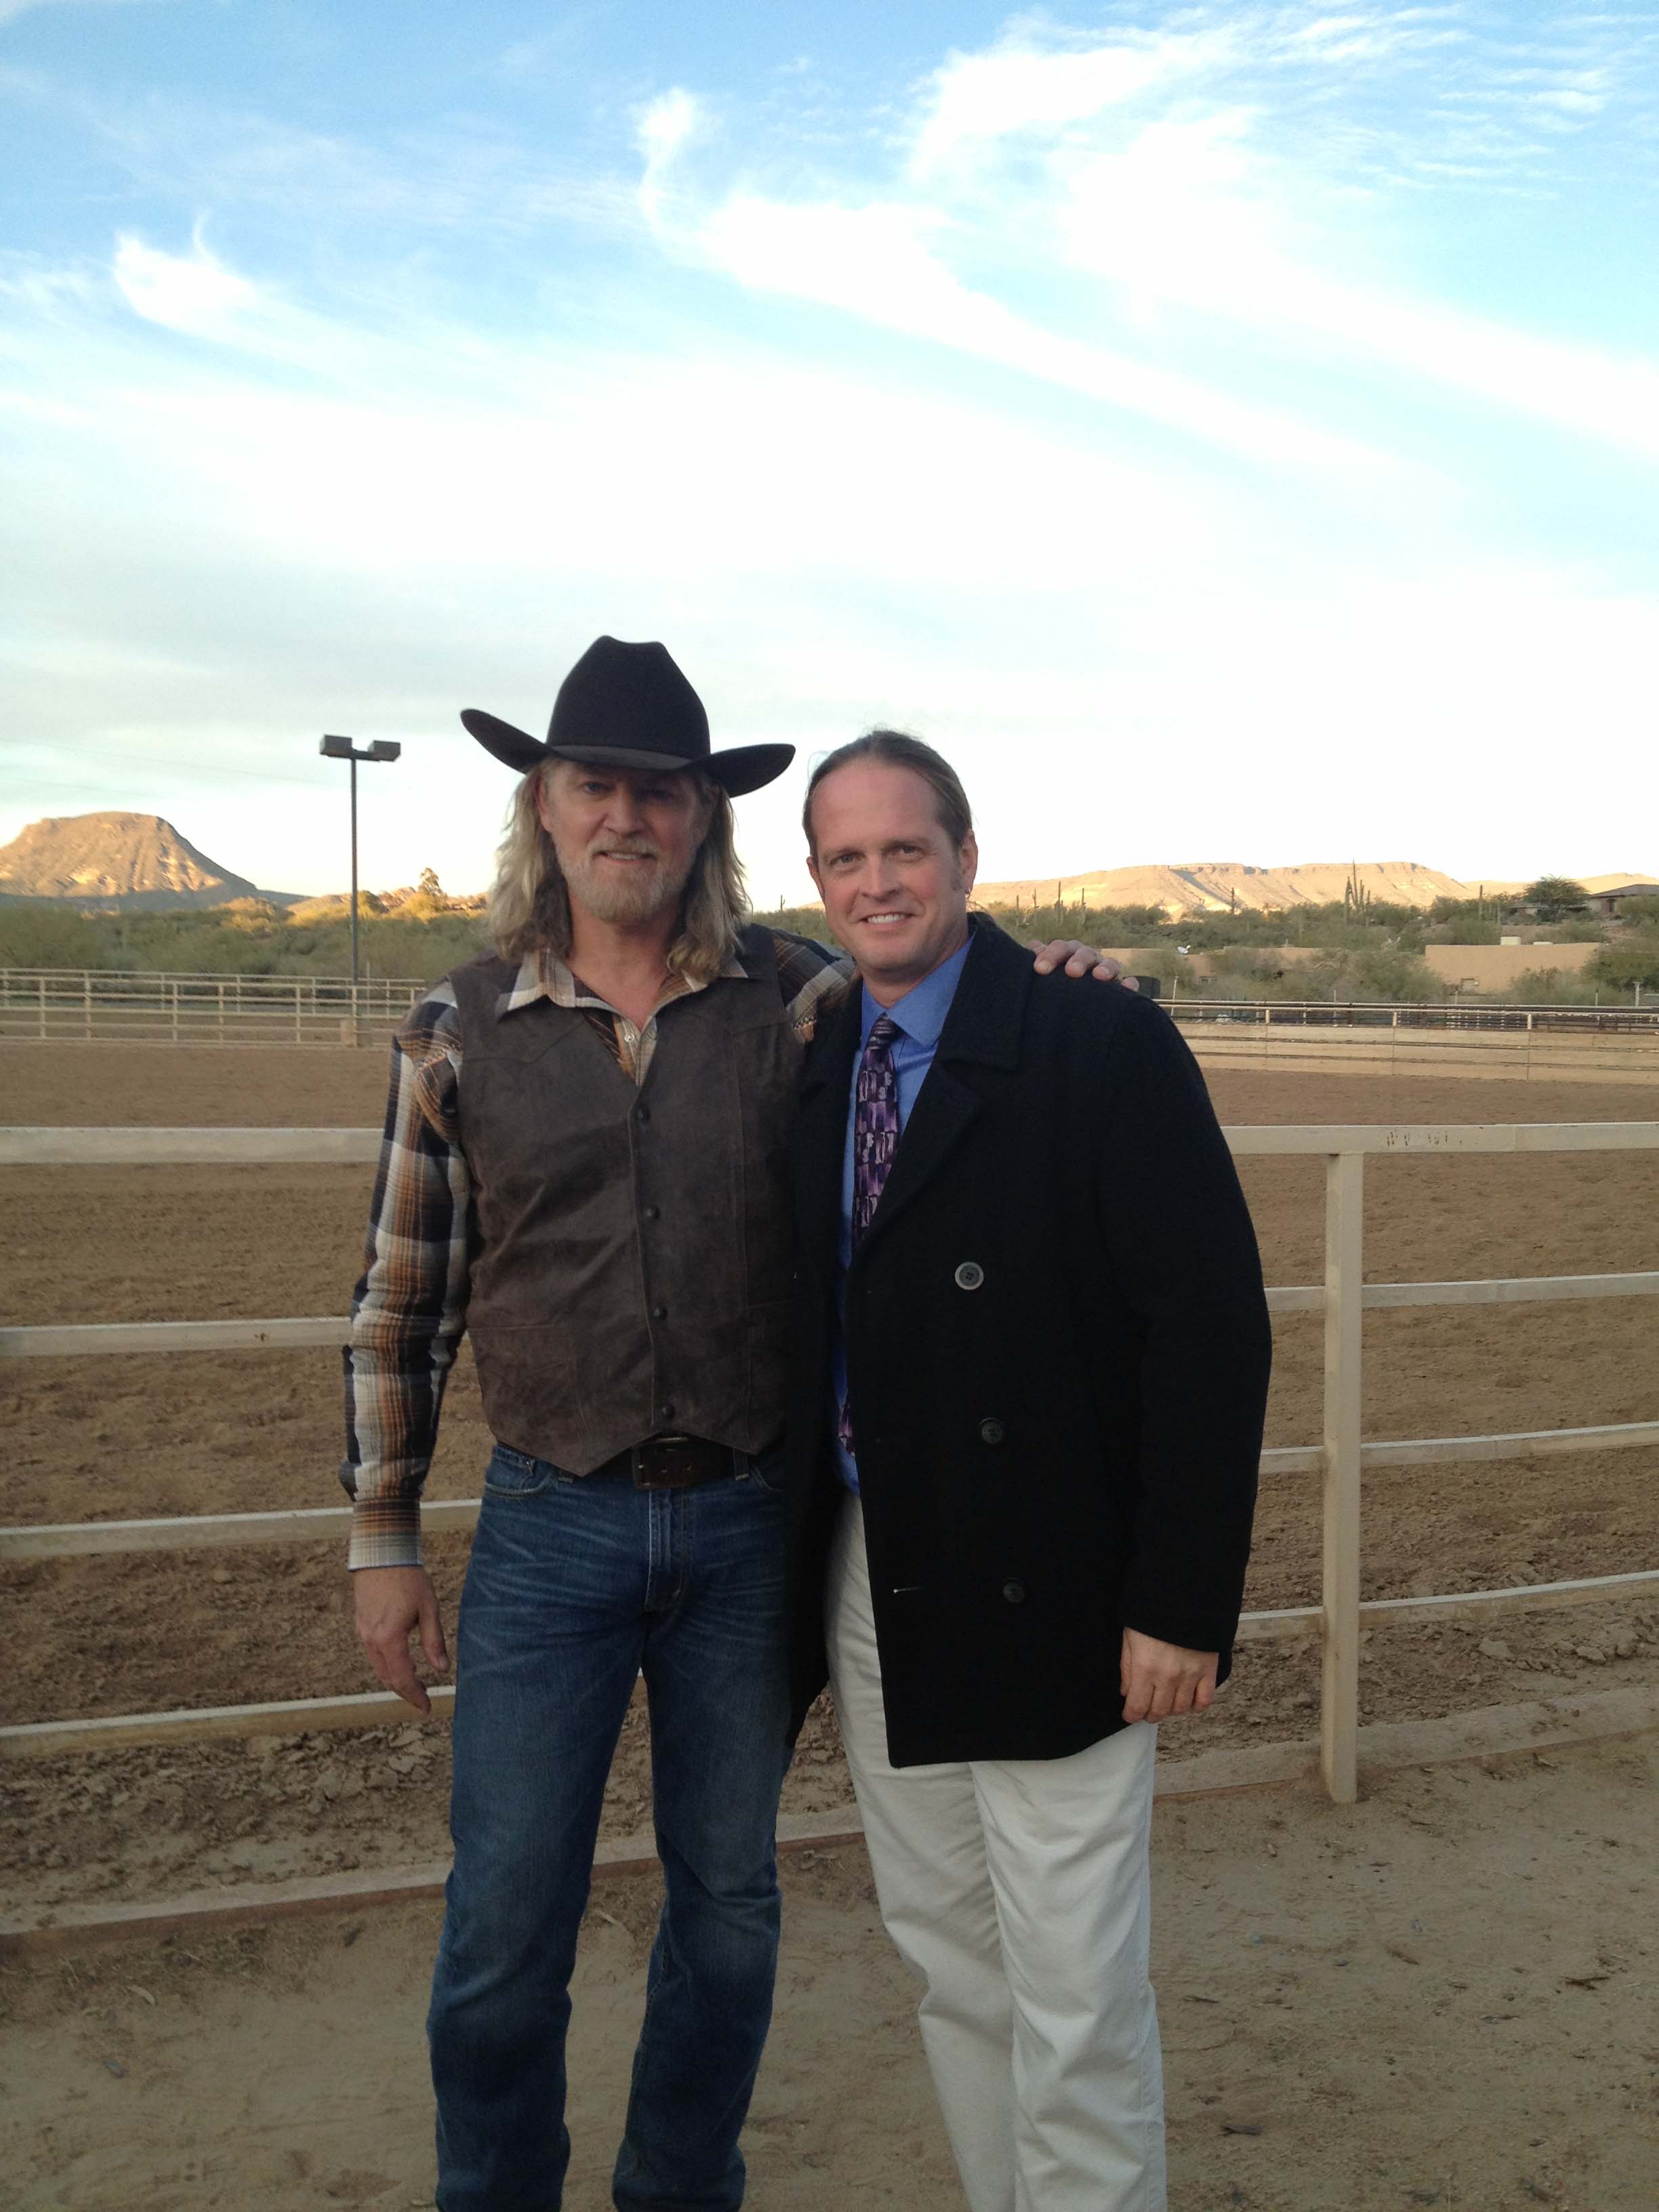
626,902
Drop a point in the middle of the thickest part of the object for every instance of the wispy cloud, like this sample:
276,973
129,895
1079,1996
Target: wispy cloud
1196,171
887,263
192,292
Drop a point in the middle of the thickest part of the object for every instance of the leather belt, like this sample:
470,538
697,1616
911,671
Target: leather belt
671,1463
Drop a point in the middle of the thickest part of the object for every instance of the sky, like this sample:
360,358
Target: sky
1227,431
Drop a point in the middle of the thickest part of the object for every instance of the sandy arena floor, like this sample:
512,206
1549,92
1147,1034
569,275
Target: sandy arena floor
1298,2035
1349,2025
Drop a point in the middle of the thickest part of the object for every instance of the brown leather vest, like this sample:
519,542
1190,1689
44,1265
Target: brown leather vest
634,1252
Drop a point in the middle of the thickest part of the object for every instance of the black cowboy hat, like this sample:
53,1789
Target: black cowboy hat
628,706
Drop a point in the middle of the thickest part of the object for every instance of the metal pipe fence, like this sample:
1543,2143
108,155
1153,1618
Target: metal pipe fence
62,1005
1418,1014
67,1006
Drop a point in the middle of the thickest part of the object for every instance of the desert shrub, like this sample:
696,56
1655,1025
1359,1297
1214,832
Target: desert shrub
1634,959
1551,987
44,935
801,921
1462,929
1091,925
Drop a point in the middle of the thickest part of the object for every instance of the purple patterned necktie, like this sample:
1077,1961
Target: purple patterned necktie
875,1140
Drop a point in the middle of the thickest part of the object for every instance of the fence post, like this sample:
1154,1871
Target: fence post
173,993
86,1001
1344,1198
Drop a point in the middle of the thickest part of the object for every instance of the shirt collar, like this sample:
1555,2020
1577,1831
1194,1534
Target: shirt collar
921,1012
543,975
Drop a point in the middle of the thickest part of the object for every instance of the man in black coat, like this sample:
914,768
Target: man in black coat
1026,1427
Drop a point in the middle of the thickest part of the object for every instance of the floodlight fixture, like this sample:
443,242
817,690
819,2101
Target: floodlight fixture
338,748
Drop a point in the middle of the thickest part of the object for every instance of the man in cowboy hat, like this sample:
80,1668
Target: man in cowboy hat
584,1168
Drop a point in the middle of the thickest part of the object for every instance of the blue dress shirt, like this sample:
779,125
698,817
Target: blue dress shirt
919,1017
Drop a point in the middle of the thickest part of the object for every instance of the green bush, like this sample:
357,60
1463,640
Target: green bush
1551,987
44,936
1463,929
1634,959
798,921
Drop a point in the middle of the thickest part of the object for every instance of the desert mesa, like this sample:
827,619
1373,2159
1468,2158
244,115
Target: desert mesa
1187,887
114,861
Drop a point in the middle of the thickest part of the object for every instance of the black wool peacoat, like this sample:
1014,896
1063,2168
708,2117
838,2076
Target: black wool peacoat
1058,1350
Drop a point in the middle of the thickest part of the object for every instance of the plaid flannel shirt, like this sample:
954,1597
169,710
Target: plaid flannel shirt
409,1311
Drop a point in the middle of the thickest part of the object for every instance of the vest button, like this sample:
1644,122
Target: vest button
1014,1592
659,1313
653,1213
991,1432
969,1275
642,1113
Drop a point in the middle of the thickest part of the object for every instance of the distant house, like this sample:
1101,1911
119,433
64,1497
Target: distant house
1606,903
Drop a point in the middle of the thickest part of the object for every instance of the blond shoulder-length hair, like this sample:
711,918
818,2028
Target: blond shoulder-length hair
529,901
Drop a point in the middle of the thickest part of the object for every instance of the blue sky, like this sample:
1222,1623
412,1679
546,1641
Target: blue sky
1228,432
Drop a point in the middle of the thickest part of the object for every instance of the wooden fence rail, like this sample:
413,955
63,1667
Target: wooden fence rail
1341,1458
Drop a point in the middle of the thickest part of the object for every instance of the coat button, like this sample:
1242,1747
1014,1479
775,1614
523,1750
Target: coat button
666,1412
1014,1592
659,1313
653,1213
642,1113
969,1275
991,1432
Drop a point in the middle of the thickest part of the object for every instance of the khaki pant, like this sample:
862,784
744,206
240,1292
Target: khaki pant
1018,1891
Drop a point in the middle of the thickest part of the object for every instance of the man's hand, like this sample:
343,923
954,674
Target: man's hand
1160,1679
391,1602
1079,960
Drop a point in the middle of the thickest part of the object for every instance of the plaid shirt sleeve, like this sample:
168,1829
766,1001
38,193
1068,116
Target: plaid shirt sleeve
809,975
410,1309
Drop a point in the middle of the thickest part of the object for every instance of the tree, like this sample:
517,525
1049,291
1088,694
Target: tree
428,885
1552,898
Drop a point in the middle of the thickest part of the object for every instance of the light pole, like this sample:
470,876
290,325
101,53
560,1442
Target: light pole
342,748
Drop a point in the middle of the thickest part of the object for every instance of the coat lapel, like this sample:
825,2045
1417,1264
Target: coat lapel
983,1031
821,1136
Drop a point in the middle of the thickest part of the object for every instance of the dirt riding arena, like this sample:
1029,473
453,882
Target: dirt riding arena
1442,1997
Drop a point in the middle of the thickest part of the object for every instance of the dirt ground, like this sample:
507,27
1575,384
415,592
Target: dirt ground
1347,2023
129,1437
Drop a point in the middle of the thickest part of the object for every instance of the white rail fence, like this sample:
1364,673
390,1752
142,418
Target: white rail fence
1340,1459
93,1006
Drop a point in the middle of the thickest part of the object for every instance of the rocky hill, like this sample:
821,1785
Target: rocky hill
116,862
1225,886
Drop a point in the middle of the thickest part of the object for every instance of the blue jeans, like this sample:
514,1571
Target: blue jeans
574,1586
